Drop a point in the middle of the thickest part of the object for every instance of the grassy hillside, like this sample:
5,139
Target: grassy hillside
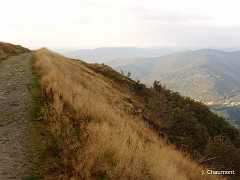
7,50
93,130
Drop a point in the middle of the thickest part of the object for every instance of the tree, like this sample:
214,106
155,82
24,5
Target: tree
129,74
223,153
122,73
185,131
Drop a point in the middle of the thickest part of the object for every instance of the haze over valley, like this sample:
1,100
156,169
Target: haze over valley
106,54
103,55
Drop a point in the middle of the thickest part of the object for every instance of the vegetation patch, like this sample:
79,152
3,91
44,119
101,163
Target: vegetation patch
223,113
231,113
33,177
35,126
7,50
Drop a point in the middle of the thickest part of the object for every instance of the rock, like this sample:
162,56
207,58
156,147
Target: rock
135,105
1,97
40,119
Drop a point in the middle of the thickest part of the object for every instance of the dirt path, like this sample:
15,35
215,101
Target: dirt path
15,158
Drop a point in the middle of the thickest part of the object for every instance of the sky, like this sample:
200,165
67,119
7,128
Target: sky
117,23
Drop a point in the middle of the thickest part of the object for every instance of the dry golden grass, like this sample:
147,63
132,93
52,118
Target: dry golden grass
7,50
94,136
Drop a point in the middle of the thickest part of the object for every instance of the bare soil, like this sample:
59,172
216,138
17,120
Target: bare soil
15,156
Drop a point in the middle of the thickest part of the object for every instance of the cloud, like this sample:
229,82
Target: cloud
186,34
172,16
136,8
224,29
119,23
15,24
157,14
96,4
81,21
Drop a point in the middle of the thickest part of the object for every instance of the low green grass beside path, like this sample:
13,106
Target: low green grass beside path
35,143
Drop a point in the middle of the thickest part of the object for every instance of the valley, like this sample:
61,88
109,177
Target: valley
207,75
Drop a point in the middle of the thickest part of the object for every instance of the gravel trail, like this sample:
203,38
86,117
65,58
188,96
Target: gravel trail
15,75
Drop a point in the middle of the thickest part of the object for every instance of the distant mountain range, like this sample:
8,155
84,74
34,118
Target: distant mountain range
211,76
104,55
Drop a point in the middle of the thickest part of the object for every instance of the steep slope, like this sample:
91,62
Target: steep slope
95,130
206,75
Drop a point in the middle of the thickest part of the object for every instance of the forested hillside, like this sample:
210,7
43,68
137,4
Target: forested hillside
206,75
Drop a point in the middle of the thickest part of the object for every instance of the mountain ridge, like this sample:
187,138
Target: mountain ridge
106,54
174,69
